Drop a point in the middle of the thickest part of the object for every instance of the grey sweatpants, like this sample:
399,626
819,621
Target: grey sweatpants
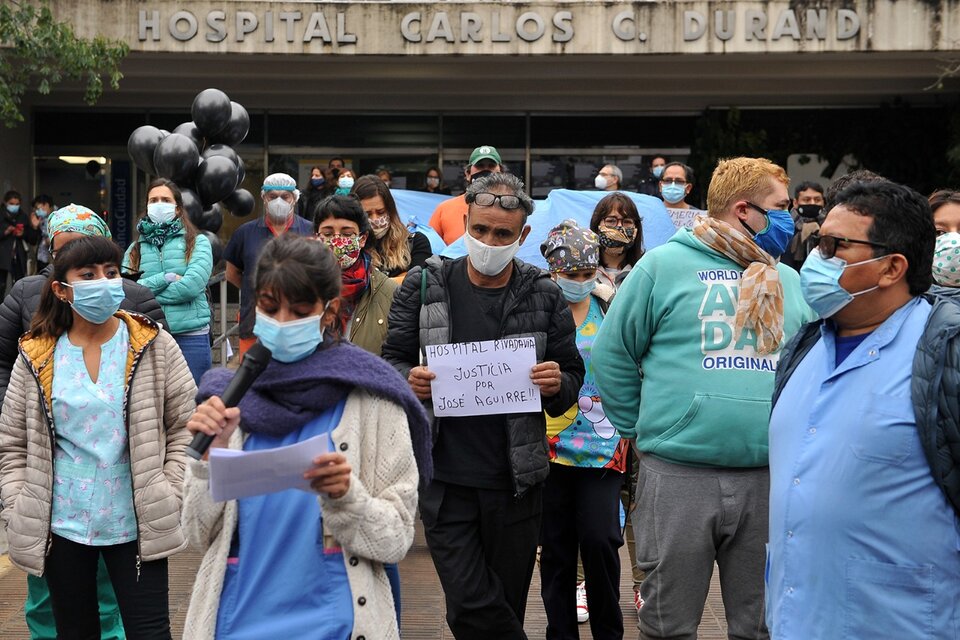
686,519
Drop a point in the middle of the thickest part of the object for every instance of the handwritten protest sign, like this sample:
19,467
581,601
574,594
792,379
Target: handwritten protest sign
484,378
684,217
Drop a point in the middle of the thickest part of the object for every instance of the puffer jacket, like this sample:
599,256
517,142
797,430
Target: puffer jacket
533,307
22,303
158,403
184,301
934,387
368,324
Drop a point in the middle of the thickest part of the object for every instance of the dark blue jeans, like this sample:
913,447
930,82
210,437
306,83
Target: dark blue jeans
196,351
393,575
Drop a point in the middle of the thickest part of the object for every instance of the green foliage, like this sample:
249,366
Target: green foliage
37,51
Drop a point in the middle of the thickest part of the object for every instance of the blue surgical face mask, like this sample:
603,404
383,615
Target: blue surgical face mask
160,212
820,283
345,183
96,300
658,171
289,341
317,182
776,237
13,208
673,193
575,291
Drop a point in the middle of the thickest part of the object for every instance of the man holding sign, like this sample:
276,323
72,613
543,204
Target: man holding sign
483,319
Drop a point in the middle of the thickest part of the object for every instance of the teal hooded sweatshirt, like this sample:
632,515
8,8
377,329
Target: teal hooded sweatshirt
672,373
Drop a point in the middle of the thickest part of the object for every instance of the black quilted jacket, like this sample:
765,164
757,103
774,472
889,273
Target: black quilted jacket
22,302
534,307
934,387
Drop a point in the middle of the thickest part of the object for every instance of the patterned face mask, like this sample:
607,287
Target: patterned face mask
346,249
613,237
946,260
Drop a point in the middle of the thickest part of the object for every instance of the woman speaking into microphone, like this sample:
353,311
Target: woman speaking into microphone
292,564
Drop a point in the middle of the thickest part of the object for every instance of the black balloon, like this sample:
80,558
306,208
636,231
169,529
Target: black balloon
212,219
237,127
141,145
176,158
211,111
191,130
216,179
215,246
221,150
192,204
240,203
241,171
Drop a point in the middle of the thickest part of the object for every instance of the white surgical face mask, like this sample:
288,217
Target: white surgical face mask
600,182
488,260
279,209
160,212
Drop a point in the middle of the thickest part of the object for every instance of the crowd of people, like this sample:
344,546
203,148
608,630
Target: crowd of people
774,391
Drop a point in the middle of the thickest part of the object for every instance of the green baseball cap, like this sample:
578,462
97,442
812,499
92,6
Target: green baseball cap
483,153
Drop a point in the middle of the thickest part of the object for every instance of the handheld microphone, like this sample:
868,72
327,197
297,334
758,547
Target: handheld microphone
254,362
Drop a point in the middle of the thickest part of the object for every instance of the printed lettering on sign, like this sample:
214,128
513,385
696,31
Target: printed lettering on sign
721,348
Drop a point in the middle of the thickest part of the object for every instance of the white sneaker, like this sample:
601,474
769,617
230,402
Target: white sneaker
583,614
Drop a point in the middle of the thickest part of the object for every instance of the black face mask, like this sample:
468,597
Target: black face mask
480,174
809,211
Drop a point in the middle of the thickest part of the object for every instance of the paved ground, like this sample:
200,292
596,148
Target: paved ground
423,608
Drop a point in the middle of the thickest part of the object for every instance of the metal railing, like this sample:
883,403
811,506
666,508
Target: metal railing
227,326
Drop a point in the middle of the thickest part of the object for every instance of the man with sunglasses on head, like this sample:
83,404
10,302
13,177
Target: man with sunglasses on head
864,438
685,361
481,512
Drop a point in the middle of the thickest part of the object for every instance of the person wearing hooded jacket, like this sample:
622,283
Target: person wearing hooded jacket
16,314
92,448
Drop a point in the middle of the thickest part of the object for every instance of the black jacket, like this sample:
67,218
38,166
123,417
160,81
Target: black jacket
534,307
13,255
22,302
934,388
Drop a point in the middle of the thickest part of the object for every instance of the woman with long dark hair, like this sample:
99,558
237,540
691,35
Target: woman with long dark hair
393,248
295,564
616,222
175,263
92,444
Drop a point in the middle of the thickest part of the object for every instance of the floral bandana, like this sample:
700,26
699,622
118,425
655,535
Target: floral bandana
615,237
157,234
569,248
346,249
75,218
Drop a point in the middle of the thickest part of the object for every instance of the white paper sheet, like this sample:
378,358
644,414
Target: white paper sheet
239,474
484,378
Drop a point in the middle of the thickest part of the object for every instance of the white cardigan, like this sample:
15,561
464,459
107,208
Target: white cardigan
372,522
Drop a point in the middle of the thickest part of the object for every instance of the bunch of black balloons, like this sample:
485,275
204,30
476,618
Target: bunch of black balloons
199,157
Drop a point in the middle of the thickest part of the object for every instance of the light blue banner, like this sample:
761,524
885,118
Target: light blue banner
579,205
416,207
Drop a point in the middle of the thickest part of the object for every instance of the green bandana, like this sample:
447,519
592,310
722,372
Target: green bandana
157,234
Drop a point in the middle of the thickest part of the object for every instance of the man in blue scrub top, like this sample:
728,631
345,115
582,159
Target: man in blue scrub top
864,537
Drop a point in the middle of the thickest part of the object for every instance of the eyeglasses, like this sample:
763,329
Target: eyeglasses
764,211
679,181
485,199
827,245
626,223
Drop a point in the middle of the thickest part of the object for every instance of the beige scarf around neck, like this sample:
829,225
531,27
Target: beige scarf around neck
760,302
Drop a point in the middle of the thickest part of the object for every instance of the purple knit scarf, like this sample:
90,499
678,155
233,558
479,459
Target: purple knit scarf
287,396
